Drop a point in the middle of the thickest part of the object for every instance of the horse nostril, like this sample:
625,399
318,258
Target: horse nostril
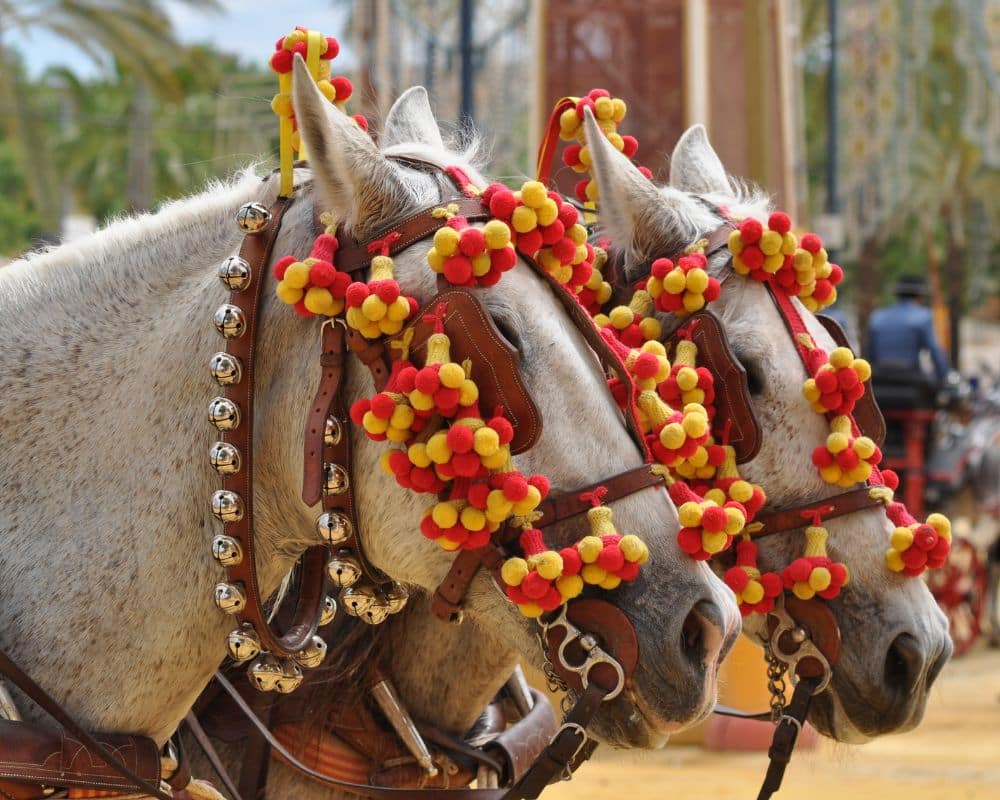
701,637
904,663
691,635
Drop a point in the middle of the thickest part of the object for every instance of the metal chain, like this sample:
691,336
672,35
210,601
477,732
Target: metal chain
555,683
776,671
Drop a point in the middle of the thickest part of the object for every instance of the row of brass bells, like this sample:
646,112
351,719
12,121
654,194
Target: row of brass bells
373,605
226,369
269,674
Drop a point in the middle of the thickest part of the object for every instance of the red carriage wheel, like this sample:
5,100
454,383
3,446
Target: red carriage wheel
960,589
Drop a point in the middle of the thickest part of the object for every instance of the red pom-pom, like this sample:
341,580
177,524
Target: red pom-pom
301,310
503,259
611,558
752,256
779,221
322,273
427,380
836,274
429,528
515,487
458,270
359,409
530,242
713,519
281,61
541,483
736,578
811,242
646,172
580,190
534,586
630,146
383,405
568,215
503,203
332,49
689,540
890,479
356,294
362,122
750,231
505,431
460,439
281,265
341,281
387,291
571,155
564,250
798,570
466,465
472,242
477,495
552,233
572,563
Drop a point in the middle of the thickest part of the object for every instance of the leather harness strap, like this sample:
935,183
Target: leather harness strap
790,518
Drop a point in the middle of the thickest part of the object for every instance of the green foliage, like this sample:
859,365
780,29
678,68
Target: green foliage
18,221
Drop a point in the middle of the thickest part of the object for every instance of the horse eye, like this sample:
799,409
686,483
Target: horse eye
508,331
755,377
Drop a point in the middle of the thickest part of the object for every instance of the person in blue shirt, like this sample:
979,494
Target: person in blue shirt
900,333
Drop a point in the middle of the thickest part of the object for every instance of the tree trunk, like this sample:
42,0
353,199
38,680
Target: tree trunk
955,274
139,183
869,280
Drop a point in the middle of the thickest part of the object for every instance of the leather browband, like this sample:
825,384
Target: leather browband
789,519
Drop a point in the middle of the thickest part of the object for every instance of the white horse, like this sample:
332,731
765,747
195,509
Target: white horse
895,638
106,575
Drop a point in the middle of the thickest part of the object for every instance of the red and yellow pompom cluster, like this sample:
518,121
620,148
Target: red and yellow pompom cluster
684,288
337,90
774,254
815,573
544,227
916,547
838,384
755,591
378,307
688,383
469,256
545,579
844,459
609,112
313,286
634,324
596,291
706,527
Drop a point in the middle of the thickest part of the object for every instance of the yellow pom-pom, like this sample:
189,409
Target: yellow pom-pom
373,308
741,491
901,538
831,474
611,581
788,244
524,219
480,264
548,564
621,317
472,518
695,426
841,357
374,424
497,234
451,375
496,460
634,549
617,141
589,548
568,122
863,368
327,90
585,158
514,571
437,448
811,391
689,514
446,241
402,417
941,524
288,294
620,109
592,192
281,104
417,453
770,243
531,610
445,515
864,447
533,194
687,379
399,310
693,302
486,441
421,401
569,586
593,574
383,462
753,592
894,560
650,328
675,281
697,280
468,393
714,542
819,579
717,496
672,436
297,275
435,260
604,108
836,442
735,521
547,212
802,590
529,503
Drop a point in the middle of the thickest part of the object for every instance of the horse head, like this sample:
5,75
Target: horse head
683,616
895,639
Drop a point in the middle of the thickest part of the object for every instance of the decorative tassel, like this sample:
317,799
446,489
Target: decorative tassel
632,325
543,580
314,286
441,386
706,527
844,460
815,573
914,547
684,288
755,592
608,558
837,385
378,308
469,256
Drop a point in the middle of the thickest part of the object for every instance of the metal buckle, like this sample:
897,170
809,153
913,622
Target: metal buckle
567,773
806,648
595,653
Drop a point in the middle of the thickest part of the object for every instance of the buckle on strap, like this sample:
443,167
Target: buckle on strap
595,654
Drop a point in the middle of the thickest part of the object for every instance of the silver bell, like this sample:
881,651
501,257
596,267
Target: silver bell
334,527
328,611
335,480
227,506
253,218
224,414
396,597
332,431
290,678
226,369
343,570
356,600
243,644
229,597
225,458
227,550
230,321
312,655
234,273
264,673
377,613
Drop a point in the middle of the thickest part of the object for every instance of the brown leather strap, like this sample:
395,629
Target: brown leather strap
522,742
449,597
785,736
140,767
353,256
212,755
790,518
256,758
331,380
560,507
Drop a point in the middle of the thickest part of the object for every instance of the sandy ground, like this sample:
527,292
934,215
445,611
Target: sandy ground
953,755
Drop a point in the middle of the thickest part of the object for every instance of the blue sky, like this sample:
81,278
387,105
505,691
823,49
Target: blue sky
246,27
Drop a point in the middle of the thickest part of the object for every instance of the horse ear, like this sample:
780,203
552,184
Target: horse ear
411,120
694,165
633,211
356,181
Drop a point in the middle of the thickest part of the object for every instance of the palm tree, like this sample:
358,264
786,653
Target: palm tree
134,34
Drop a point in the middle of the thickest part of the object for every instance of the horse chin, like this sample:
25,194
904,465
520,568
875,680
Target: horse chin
631,722
829,716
